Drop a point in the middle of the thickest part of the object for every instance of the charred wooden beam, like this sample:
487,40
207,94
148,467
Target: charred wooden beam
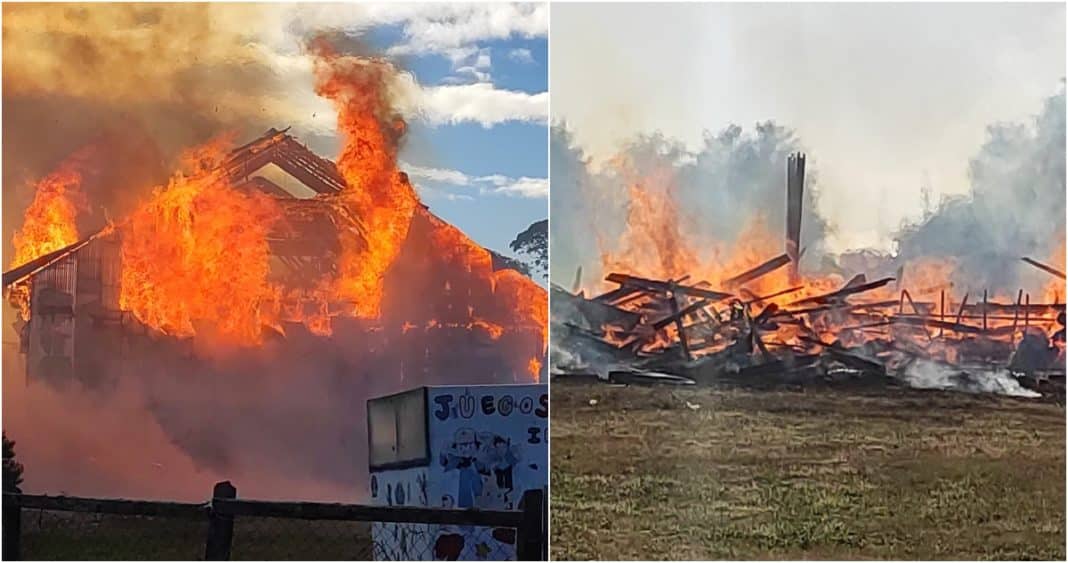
676,316
963,303
935,323
758,272
617,294
795,186
1045,268
662,287
759,298
844,292
942,312
26,270
683,340
837,307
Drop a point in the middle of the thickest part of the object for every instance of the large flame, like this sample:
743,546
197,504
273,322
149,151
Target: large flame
521,305
1054,291
198,253
653,243
377,192
196,257
51,220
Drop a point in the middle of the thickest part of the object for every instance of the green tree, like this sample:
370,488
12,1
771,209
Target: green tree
533,244
12,468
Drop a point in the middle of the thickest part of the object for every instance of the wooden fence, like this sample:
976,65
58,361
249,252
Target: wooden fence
529,522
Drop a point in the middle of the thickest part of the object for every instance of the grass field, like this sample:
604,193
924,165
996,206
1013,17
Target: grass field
804,474
48,535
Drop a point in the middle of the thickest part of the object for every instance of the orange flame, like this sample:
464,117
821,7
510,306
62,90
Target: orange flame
522,305
51,221
197,252
377,192
653,245
1053,292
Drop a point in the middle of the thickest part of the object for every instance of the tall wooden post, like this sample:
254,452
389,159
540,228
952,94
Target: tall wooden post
531,540
795,191
984,310
220,526
679,325
12,527
942,314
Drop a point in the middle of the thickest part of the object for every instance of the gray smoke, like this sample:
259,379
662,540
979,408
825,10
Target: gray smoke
734,176
927,374
1015,207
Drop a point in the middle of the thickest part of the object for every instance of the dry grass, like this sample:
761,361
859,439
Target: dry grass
804,475
64,536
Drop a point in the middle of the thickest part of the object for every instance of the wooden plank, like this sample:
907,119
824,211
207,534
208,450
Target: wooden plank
664,287
758,271
795,187
12,533
836,307
1045,268
935,323
845,292
111,506
337,511
678,325
759,298
960,311
220,525
531,540
688,310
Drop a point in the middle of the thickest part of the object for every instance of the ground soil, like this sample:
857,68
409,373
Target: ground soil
735,473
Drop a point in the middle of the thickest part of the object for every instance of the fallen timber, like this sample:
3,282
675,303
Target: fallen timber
648,331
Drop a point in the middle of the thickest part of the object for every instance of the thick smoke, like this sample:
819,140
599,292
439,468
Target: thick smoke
735,177
140,82
1015,208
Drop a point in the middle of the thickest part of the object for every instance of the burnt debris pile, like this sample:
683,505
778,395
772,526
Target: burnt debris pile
874,332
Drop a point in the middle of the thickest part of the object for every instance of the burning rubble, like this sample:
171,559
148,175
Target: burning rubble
253,302
751,316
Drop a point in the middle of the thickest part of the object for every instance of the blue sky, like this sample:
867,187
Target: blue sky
477,144
513,149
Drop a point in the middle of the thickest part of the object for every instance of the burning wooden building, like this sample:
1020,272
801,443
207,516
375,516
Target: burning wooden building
449,311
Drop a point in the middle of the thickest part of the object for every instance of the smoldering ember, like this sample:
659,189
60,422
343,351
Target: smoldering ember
234,325
766,323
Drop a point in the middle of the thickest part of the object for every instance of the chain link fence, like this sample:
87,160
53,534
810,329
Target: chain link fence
40,527
67,535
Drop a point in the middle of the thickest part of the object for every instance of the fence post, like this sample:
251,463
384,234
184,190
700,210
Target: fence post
531,540
220,526
12,527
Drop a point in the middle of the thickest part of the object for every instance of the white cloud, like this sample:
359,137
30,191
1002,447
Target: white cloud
472,72
481,103
452,30
483,59
467,97
522,56
443,175
497,184
526,187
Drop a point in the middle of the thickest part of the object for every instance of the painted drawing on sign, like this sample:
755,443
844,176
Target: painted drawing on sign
485,465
